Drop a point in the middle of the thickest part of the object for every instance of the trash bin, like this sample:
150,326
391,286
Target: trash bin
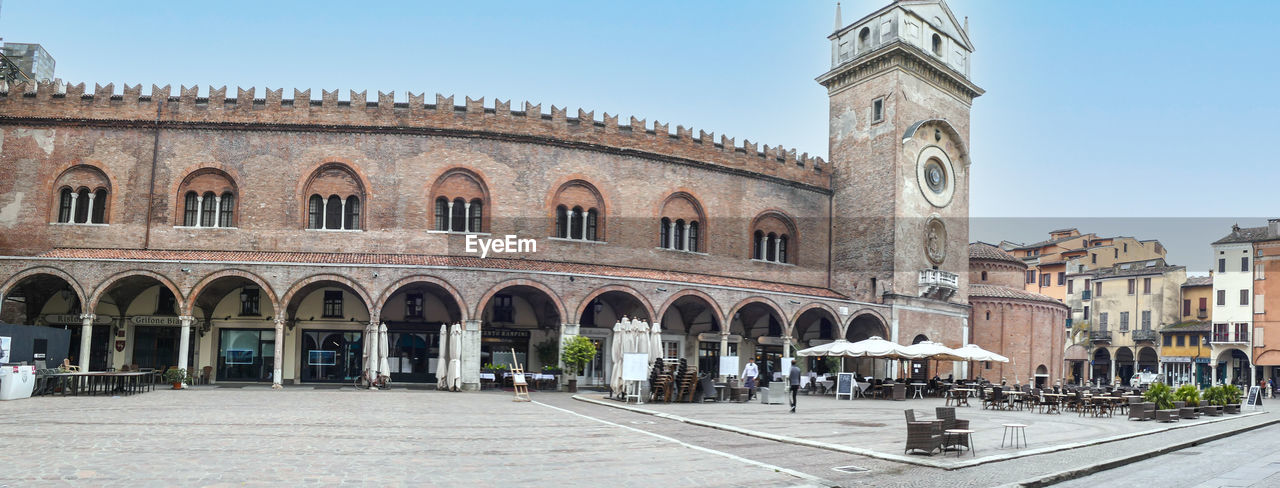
16,382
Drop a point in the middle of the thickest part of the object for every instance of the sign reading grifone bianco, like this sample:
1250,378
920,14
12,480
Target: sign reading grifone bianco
156,320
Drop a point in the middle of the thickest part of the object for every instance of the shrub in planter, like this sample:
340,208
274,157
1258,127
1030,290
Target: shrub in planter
175,376
1160,395
1233,393
1187,393
1216,395
578,351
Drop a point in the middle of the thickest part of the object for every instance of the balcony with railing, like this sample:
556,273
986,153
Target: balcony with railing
1143,335
1100,336
1239,336
1202,314
938,284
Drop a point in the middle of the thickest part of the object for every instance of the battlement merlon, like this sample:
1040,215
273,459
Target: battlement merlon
244,111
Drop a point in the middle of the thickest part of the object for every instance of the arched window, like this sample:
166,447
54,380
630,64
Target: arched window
988,315
228,204
782,249
592,217
333,212
937,45
579,224
351,213
680,235
757,245
442,213
458,215
864,39
984,276
64,205
562,222
208,210
773,238
475,218
99,209
190,209
772,241
693,236
82,206
315,213
664,233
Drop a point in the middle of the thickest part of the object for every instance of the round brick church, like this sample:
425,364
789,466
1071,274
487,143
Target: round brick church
256,239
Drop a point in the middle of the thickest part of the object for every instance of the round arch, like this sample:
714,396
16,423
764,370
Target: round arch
355,287
870,317
113,279
29,272
786,324
189,302
478,311
463,310
567,183
945,126
689,292
644,302
817,308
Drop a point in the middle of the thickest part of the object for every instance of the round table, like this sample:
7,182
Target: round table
1011,431
959,434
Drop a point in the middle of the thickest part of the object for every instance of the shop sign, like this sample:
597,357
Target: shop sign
715,337
71,319
1176,359
771,341
156,320
510,333
1202,360
119,346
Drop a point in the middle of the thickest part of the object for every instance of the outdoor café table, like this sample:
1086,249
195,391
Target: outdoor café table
1055,406
961,396
1011,397
490,377
917,390
958,434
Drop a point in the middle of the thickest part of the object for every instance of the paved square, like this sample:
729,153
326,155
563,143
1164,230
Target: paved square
234,437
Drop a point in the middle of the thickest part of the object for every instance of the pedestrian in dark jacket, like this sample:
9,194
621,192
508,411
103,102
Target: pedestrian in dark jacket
794,376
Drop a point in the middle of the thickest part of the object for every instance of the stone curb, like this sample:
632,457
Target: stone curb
1071,474
925,462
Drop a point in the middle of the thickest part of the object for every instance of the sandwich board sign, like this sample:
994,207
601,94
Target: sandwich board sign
1255,397
844,385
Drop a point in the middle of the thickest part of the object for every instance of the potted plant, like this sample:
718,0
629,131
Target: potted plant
1160,395
1188,394
175,376
1217,398
1232,394
578,351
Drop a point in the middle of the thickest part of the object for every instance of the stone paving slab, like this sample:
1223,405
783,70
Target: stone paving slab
247,437
876,428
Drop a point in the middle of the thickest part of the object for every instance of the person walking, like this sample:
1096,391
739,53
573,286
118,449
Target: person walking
794,377
749,376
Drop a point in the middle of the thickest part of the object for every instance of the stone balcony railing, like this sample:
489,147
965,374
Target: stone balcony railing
938,284
1142,335
1100,336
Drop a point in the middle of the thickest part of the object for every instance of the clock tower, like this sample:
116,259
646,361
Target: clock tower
900,96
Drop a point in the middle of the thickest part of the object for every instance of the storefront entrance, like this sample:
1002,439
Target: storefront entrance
332,355
496,346
99,346
246,354
769,360
413,354
153,347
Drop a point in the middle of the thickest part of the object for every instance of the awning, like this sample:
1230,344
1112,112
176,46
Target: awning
1077,352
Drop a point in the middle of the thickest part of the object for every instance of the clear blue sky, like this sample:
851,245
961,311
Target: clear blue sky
1093,109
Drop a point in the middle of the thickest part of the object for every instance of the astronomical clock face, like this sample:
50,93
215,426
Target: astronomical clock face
935,240
936,176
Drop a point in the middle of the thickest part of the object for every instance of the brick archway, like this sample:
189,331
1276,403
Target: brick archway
189,303
773,307
29,272
463,310
353,286
866,313
488,295
644,302
795,319
113,279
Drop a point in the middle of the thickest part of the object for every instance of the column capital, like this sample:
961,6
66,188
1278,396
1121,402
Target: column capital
186,320
280,322
88,317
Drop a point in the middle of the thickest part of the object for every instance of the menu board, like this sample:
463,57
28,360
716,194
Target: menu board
844,385
1255,394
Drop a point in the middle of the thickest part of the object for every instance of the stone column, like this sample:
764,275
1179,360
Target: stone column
724,350
1112,376
893,336
466,217
324,213
86,336
764,247
342,215
199,211
184,343
72,217
964,341
277,372
568,234
671,235
217,211
777,250
448,217
88,215
471,355
686,237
